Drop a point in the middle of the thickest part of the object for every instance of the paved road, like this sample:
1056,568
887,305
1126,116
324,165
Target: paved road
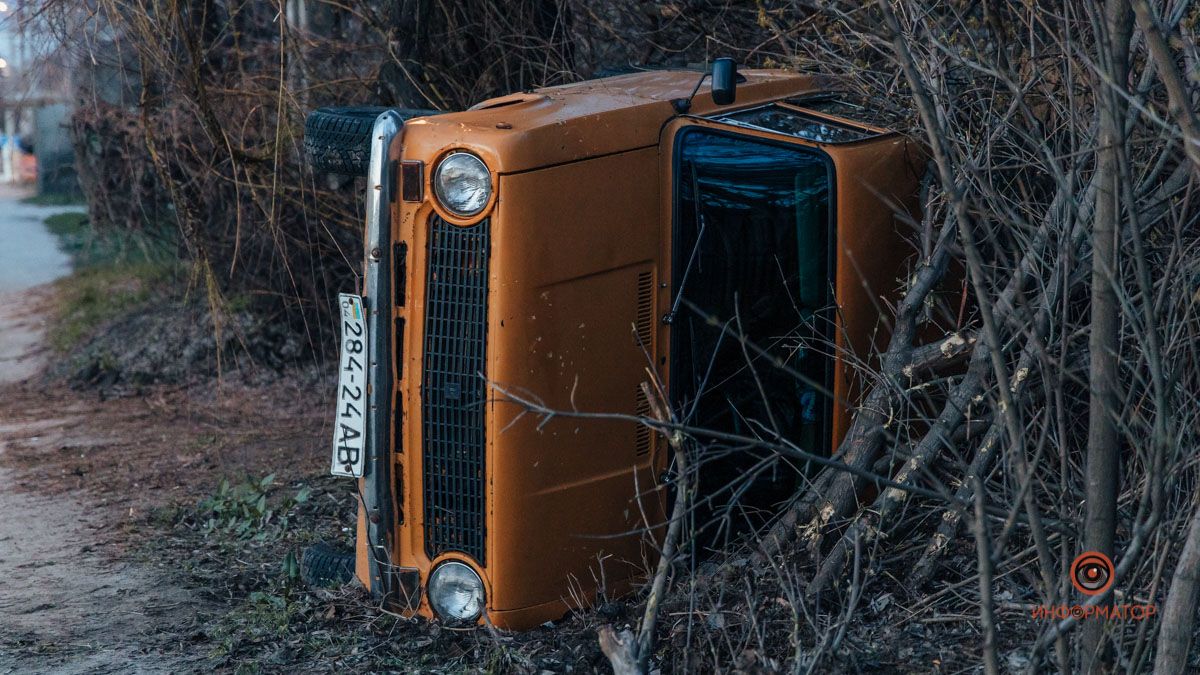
29,257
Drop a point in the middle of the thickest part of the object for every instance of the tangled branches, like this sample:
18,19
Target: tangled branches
193,113
967,484
1038,197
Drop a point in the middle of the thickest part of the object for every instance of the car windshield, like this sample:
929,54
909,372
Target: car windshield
752,259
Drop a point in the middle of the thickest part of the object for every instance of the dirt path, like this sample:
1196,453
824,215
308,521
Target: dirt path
68,603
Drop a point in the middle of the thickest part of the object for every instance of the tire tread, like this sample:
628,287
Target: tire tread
323,565
338,140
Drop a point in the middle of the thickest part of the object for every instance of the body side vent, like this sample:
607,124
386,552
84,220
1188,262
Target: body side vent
641,438
645,306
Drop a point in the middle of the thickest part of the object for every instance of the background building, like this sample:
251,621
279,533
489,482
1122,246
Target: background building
35,104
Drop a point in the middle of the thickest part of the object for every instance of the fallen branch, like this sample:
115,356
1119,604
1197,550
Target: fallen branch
624,653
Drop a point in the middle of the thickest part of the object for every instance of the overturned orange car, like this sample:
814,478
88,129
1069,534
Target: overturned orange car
546,271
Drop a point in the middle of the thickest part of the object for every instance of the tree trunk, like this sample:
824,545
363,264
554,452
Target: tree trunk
1179,611
401,76
1103,458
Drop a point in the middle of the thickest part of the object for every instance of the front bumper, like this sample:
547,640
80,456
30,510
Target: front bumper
378,498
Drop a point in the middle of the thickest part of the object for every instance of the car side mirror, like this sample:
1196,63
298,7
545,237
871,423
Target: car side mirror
724,81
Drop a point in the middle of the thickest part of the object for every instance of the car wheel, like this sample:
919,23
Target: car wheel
323,565
338,140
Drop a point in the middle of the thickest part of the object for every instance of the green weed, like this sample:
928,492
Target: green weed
91,296
68,224
114,272
264,616
54,199
90,247
243,511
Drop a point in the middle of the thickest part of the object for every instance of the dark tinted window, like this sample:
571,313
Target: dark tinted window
751,244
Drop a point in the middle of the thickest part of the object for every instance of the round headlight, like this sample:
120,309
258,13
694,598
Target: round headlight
462,184
456,593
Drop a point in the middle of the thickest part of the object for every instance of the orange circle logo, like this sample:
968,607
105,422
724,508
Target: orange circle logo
1092,573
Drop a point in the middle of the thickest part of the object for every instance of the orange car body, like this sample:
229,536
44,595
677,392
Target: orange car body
579,276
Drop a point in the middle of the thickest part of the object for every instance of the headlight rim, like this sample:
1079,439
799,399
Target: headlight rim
439,612
442,204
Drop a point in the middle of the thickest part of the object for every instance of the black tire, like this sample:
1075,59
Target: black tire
338,140
323,565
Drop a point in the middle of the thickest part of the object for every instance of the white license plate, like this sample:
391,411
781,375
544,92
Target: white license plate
349,424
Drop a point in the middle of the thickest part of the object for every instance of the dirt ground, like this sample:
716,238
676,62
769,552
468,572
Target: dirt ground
80,480
66,606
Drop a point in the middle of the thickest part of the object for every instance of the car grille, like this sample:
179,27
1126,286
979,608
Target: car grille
453,392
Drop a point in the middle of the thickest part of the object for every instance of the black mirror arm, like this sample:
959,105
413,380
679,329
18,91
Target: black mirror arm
683,105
